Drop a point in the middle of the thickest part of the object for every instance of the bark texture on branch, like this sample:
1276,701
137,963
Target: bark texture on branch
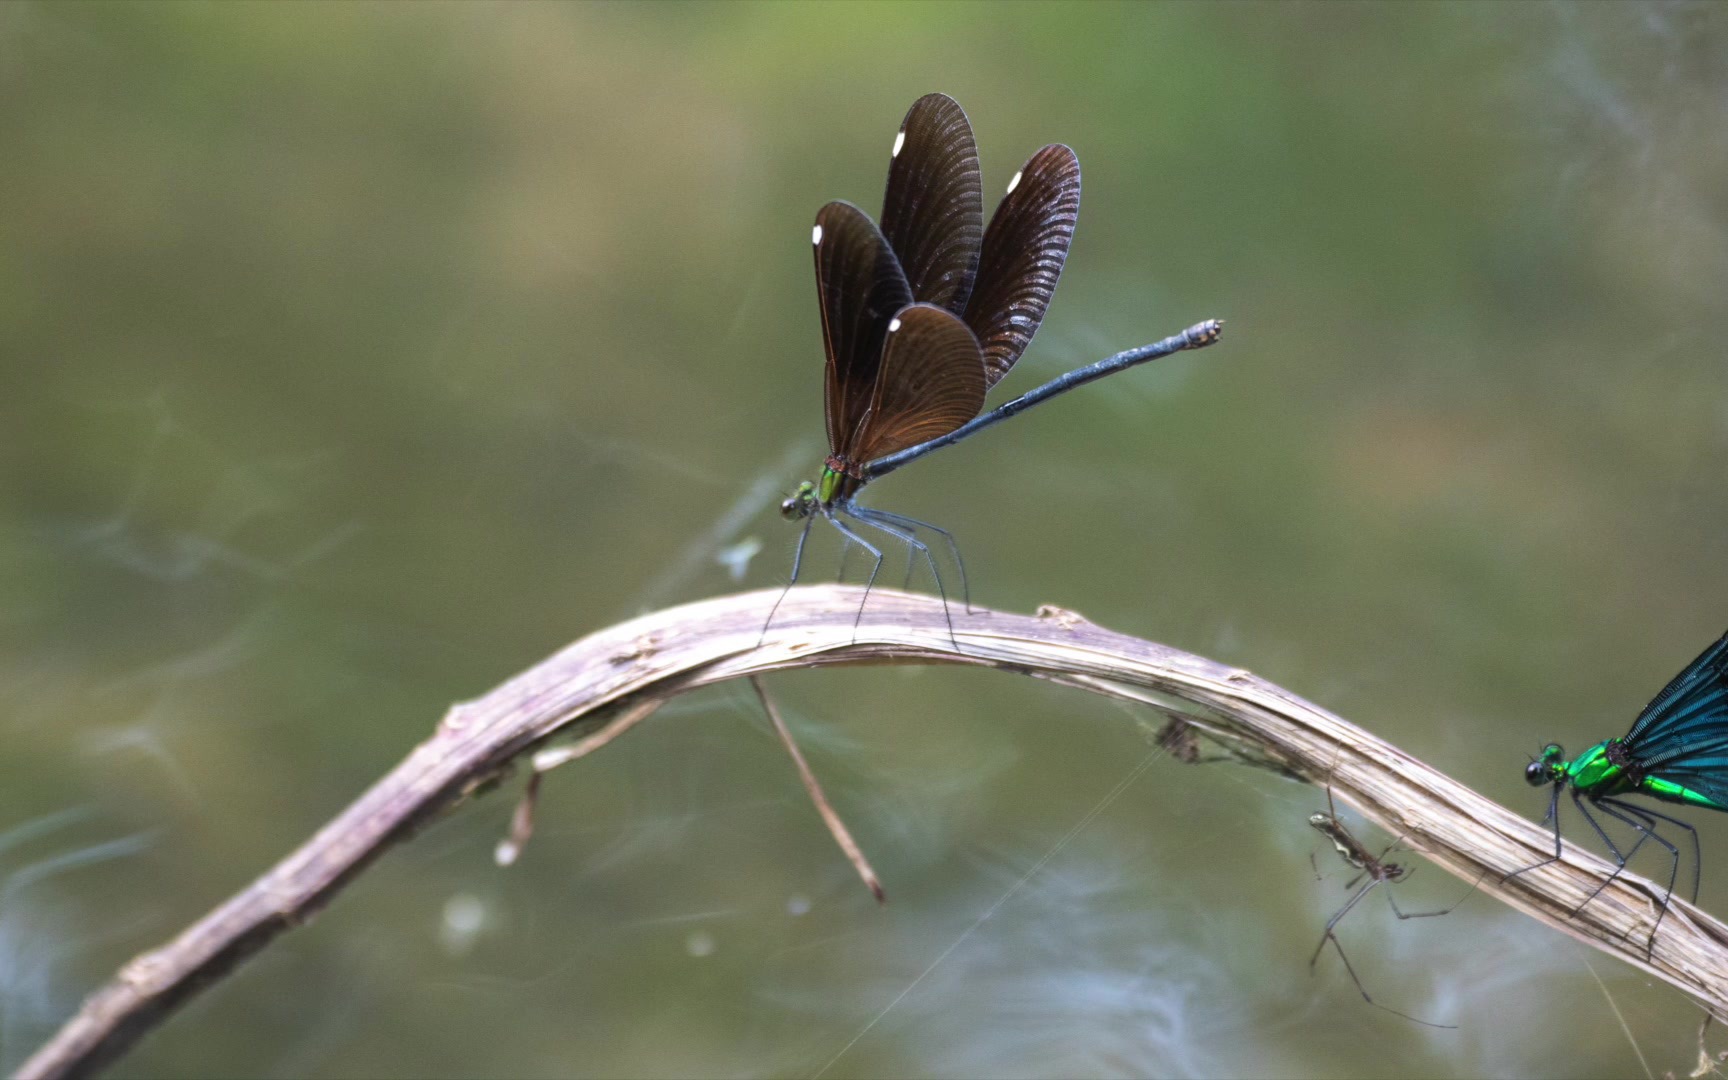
605,683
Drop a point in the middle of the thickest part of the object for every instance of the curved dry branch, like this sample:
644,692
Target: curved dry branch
608,681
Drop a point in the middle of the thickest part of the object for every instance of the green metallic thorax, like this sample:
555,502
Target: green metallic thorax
829,487
1595,775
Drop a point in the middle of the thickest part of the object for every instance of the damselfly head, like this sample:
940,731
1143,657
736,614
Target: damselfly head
1548,768
802,503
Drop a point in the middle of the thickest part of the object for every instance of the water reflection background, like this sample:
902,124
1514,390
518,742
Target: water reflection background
358,356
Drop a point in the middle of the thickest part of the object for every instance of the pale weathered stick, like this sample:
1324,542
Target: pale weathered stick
621,672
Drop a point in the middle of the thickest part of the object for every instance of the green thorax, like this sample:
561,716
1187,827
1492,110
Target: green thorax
828,489
1592,773
1605,770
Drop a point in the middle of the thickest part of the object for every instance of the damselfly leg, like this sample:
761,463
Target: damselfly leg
865,516
1643,819
875,565
797,564
913,523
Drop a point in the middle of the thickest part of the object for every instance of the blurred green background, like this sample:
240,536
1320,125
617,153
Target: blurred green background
358,356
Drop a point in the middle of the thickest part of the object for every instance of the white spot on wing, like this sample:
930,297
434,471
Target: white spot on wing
1012,184
816,235
899,141
893,325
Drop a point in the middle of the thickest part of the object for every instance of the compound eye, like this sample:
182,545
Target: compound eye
1536,774
792,509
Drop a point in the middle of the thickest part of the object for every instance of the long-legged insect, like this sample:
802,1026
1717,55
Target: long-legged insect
1376,870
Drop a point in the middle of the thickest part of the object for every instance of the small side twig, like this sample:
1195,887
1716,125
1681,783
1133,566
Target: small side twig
831,818
595,688
510,848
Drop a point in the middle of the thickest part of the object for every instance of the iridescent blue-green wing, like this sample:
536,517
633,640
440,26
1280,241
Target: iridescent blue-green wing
1691,710
1701,766
1694,754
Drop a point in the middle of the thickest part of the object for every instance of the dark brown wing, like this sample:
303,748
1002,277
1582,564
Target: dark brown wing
933,211
932,381
860,286
1022,257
